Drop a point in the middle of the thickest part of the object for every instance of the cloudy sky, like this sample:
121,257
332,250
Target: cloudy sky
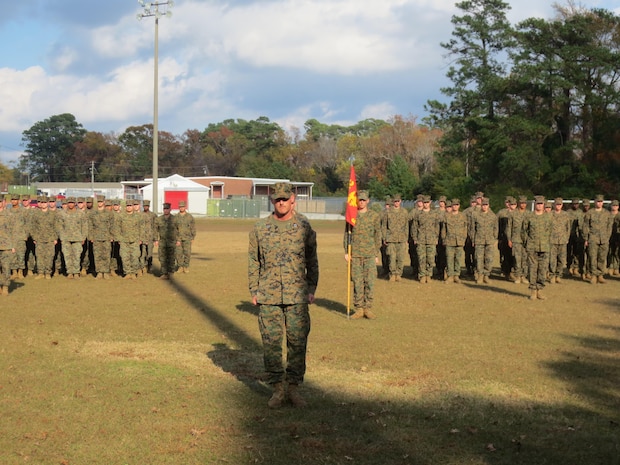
339,61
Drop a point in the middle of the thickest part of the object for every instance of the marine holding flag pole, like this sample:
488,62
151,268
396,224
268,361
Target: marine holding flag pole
351,218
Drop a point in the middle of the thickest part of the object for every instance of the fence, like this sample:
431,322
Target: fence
260,205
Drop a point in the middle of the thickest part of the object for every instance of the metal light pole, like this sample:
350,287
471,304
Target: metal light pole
153,9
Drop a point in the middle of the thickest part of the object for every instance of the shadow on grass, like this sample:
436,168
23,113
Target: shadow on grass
438,427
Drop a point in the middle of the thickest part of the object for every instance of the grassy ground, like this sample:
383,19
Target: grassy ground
156,372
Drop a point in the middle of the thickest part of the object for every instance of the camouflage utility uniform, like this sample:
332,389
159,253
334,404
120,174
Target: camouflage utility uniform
283,269
365,250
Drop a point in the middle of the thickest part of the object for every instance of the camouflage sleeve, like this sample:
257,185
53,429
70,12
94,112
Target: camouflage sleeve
312,262
253,263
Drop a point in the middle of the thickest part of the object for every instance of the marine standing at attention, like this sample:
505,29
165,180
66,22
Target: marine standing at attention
166,239
365,251
283,273
186,233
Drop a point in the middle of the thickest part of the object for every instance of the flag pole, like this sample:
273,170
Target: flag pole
351,217
349,272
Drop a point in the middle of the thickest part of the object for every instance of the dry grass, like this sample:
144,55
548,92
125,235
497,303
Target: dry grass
152,372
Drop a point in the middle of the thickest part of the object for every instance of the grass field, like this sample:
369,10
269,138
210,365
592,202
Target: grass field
170,372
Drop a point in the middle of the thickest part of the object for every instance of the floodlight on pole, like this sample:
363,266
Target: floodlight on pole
156,10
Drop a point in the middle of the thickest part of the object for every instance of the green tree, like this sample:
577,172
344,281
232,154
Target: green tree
50,146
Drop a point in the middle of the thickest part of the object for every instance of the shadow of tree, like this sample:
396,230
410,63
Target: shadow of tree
437,428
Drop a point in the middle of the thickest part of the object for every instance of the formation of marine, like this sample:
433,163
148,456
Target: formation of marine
45,237
576,238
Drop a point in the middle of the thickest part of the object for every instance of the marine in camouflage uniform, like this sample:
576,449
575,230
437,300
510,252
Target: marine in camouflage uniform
560,234
385,260
73,230
505,252
365,240
7,247
166,241
597,225
515,240
425,234
613,259
394,234
19,214
45,234
440,253
485,238
100,227
129,232
470,253
537,228
413,253
186,233
575,250
283,273
146,249
59,259
454,235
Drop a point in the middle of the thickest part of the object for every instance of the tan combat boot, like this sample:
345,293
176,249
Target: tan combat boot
368,314
539,295
533,294
601,279
5,290
457,280
277,397
358,315
295,396
485,279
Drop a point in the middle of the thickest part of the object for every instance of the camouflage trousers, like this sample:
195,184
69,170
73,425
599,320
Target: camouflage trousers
613,257
101,254
520,259
455,256
130,257
146,255
557,260
19,257
426,259
396,254
184,251
45,257
538,264
72,252
470,256
6,263
167,258
363,275
273,321
505,257
597,258
485,253
30,259
576,254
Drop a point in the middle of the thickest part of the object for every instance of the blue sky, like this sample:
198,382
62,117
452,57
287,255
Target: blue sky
339,61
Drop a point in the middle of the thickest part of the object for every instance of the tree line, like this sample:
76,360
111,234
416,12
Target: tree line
532,108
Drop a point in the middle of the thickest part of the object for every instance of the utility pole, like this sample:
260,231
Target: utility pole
152,9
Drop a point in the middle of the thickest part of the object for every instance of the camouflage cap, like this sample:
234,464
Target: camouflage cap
282,190
101,198
116,202
539,199
81,199
472,199
362,195
427,198
443,198
25,197
70,199
615,203
479,195
396,197
549,204
51,198
419,198
388,199
43,199
522,199
448,203
599,198
512,201
485,201
456,202
107,203
15,197
558,201
89,200
146,203
166,205
576,200
182,203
